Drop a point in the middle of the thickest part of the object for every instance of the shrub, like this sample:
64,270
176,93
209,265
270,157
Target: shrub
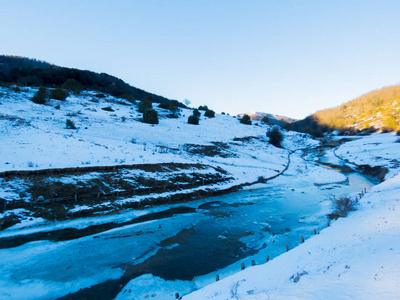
245,120
342,206
265,120
203,107
145,104
150,116
59,94
209,113
196,113
164,105
107,108
73,85
275,136
193,120
41,96
69,124
100,95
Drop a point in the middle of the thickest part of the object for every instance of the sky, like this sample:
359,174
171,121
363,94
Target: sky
285,57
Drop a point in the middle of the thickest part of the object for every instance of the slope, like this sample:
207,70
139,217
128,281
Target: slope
377,110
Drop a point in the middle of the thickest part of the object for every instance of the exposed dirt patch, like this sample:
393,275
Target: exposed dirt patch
218,149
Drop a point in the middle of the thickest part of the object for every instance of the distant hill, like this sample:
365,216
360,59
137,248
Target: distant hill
31,72
274,119
377,110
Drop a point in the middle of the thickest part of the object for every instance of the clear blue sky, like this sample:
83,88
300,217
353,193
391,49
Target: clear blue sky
285,57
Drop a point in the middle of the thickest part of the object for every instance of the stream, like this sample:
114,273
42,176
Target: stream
185,249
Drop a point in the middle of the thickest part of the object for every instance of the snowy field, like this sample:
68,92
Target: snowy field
355,258
35,137
374,150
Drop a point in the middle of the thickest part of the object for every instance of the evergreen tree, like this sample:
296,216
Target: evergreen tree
145,104
150,116
245,120
209,113
59,94
265,120
275,136
193,120
196,113
41,96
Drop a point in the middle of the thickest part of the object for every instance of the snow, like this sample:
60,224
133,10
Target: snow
355,258
34,137
152,287
374,150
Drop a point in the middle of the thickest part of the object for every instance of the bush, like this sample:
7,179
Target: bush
245,120
342,206
164,105
100,95
209,113
193,120
145,104
41,96
150,116
204,107
59,94
73,85
275,136
265,120
69,124
196,113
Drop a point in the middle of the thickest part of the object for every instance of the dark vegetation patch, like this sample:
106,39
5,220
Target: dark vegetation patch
16,121
52,196
342,206
218,149
245,139
30,72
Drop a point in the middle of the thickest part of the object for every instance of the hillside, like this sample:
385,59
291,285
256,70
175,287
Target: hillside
172,161
377,110
160,195
31,72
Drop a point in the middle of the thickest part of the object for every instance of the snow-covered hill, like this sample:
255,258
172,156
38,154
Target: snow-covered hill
35,137
134,162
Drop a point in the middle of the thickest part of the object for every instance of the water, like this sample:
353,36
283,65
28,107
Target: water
215,238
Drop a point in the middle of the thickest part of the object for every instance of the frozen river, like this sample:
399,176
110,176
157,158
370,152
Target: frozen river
180,251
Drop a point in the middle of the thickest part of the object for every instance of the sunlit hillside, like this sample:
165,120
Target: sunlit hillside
377,110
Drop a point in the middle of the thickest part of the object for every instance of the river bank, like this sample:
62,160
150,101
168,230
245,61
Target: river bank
356,257
177,247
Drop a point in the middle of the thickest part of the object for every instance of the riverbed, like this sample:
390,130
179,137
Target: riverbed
186,249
